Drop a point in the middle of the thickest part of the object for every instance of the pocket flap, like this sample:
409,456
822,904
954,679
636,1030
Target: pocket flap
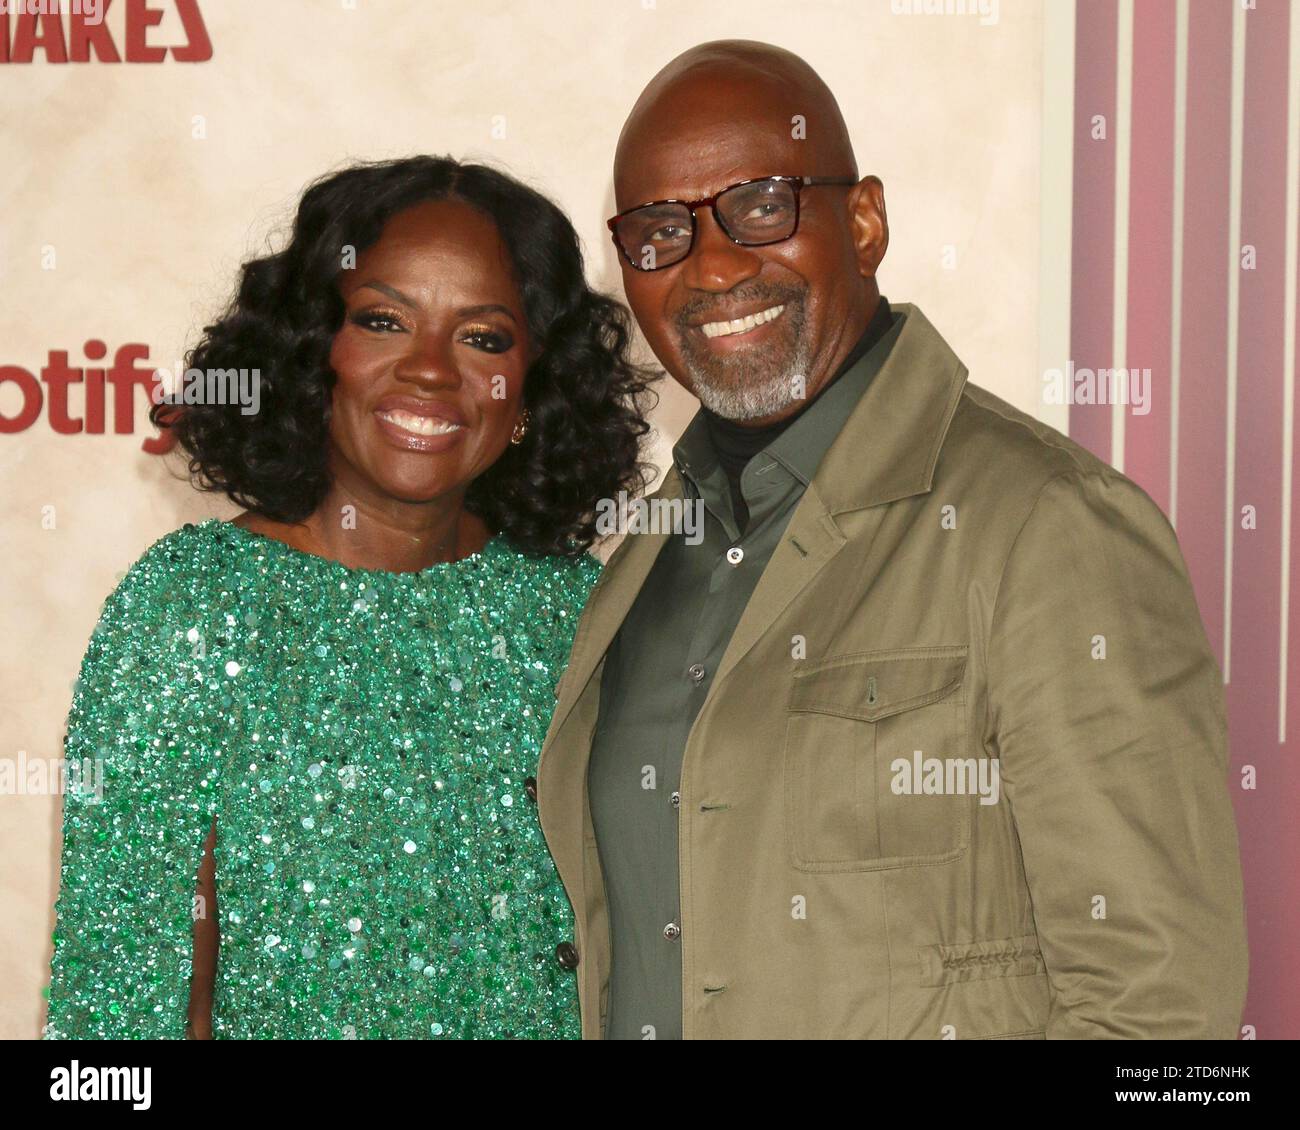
875,684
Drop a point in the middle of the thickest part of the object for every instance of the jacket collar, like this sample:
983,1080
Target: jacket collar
890,443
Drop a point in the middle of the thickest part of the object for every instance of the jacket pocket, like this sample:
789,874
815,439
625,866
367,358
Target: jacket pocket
854,725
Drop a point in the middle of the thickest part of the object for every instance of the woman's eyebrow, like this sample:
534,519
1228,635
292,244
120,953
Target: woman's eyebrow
463,312
486,308
392,292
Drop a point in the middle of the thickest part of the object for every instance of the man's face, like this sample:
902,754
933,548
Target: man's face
807,287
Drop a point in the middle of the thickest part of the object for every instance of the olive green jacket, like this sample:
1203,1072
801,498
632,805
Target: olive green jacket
962,581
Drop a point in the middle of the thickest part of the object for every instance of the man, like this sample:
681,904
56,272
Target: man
924,739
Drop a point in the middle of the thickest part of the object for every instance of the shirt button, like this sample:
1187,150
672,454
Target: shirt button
676,800
672,931
530,787
566,953
735,555
696,672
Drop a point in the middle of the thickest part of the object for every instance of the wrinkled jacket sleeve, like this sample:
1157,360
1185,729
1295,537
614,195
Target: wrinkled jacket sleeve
1106,712
134,824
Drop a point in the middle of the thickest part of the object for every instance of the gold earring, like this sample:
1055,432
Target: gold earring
521,429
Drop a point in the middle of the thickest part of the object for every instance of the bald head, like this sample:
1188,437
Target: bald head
762,98
753,326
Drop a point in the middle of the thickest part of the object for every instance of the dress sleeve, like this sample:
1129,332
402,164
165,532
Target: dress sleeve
138,803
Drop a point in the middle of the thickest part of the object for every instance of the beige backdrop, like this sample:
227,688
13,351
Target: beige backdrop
149,183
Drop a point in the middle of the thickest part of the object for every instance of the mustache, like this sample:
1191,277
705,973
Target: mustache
703,308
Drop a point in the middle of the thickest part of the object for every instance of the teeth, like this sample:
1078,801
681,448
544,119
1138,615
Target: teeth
741,325
420,425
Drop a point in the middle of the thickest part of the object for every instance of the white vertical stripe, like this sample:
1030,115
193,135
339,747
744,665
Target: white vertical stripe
1123,146
1234,309
1289,357
1176,291
1056,204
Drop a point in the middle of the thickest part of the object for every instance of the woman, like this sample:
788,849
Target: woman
330,709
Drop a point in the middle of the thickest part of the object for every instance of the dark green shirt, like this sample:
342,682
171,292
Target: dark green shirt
658,672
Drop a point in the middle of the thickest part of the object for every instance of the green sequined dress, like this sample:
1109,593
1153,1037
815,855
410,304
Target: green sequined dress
366,742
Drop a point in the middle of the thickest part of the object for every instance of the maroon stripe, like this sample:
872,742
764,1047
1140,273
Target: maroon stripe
1150,246
1203,397
1093,237
1253,694
1289,985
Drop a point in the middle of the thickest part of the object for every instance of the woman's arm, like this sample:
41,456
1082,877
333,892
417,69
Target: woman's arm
134,830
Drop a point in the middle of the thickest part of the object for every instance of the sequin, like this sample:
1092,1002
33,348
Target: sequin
360,738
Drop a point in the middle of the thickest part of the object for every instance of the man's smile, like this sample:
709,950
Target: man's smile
741,325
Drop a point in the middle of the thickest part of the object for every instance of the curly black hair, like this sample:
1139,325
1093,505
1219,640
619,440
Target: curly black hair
586,398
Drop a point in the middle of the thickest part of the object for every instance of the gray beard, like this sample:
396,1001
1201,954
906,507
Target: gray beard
755,383
749,399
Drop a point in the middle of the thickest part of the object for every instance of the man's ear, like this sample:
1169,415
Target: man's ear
869,223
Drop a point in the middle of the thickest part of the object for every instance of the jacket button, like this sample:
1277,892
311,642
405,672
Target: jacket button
672,931
696,672
567,955
530,787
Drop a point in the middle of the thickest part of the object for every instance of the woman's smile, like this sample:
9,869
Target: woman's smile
414,424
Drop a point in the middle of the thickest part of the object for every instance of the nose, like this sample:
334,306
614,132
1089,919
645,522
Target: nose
428,361
715,263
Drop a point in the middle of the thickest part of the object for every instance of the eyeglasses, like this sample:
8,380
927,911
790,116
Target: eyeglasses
752,213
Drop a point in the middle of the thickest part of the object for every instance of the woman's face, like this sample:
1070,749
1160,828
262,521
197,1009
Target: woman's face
431,356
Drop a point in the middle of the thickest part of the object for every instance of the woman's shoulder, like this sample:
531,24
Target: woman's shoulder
189,556
177,575
543,597
569,579
152,624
